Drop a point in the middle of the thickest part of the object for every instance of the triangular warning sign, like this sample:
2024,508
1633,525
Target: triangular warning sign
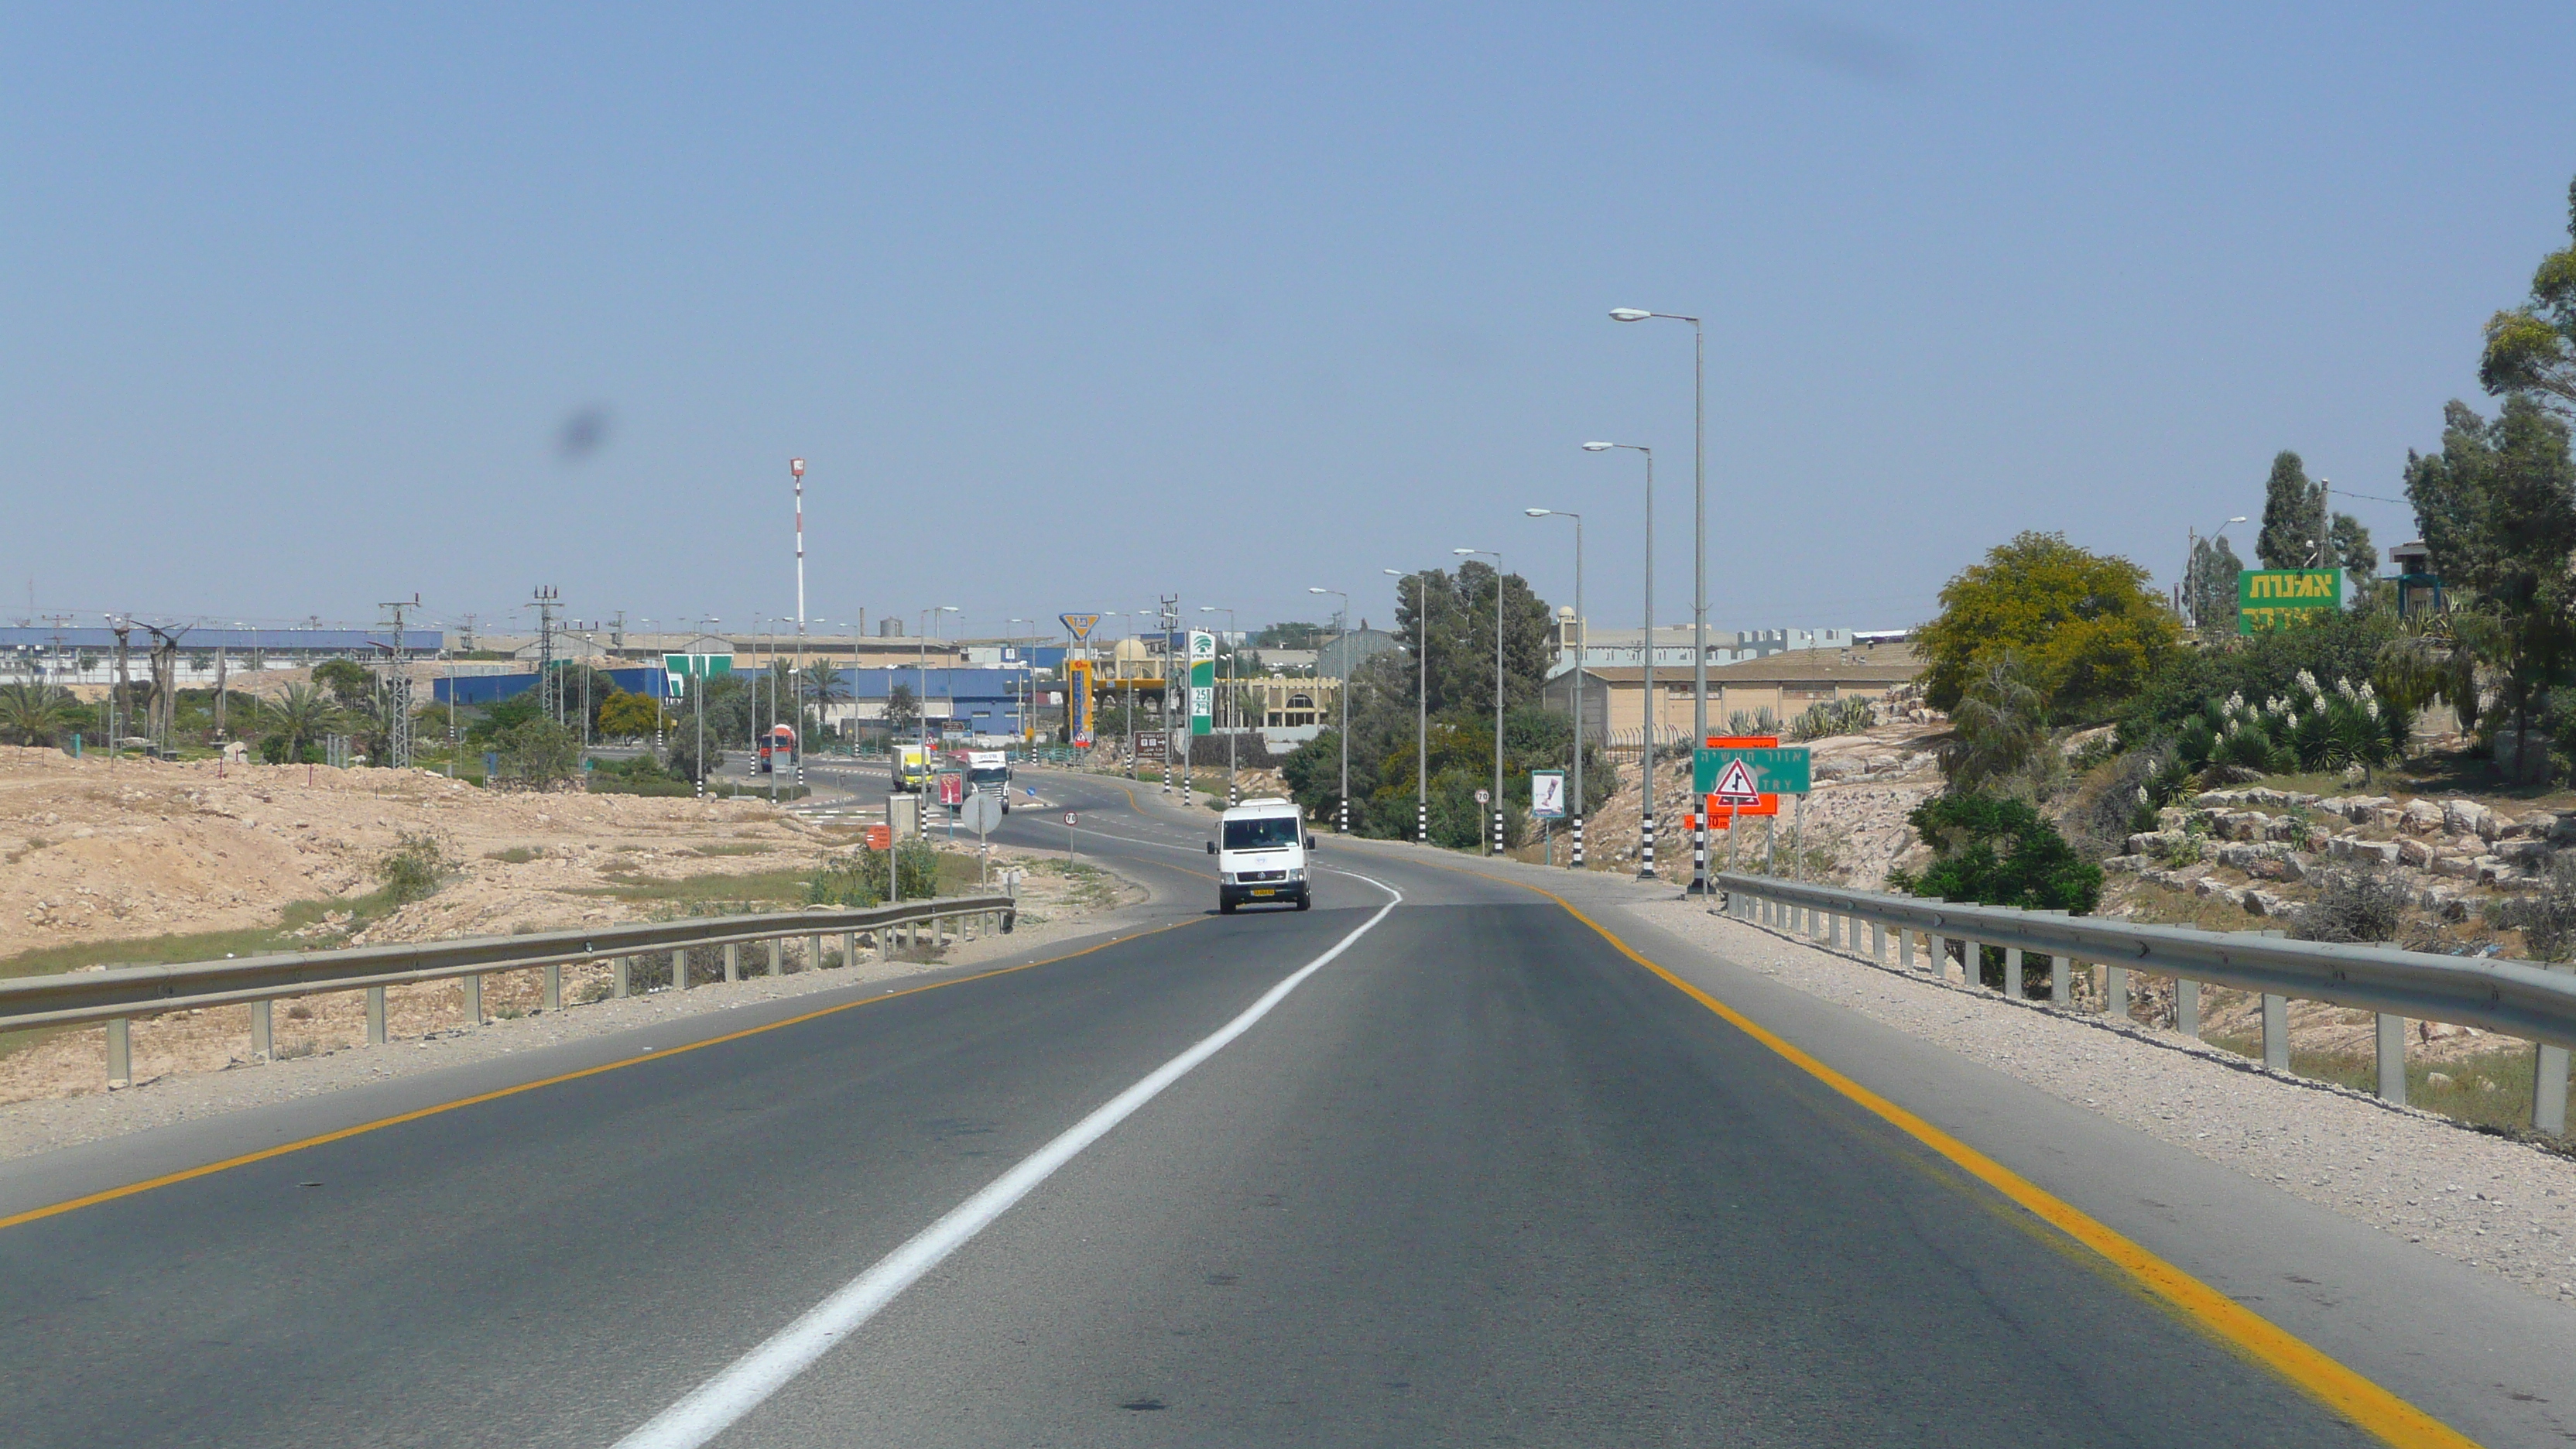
1735,785
1080,625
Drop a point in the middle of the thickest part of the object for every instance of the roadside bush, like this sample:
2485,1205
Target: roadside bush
414,870
1998,851
1760,722
860,877
2116,799
538,754
2360,906
1833,717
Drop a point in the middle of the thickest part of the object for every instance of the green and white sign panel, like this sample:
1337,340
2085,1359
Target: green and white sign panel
1777,770
1202,683
684,667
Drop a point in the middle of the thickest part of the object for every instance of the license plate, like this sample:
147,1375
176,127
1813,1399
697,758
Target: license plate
1264,891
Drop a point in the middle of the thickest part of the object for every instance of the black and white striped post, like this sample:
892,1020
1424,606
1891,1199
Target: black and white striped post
1422,822
1342,820
1646,848
1498,828
1578,842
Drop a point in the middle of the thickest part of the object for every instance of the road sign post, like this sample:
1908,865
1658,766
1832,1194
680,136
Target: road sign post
1068,837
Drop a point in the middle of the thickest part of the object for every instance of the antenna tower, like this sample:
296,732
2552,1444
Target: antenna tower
549,685
393,685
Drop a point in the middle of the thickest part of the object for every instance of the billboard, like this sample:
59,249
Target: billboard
2270,598
1202,682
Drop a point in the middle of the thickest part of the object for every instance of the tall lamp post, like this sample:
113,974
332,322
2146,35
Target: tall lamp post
1234,719
698,699
921,673
2190,574
1422,702
1580,627
1498,685
1342,822
1028,683
1646,820
1699,556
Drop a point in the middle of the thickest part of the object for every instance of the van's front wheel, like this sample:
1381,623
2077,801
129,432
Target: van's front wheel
1304,900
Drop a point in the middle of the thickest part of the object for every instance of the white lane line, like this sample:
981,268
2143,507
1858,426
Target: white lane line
714,1405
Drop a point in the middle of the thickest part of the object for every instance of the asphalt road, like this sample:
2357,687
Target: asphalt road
1480,1178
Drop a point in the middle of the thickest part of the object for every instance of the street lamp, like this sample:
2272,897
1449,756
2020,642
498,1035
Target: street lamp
921,674
1342,825
698,697
1422,699
1581,628
1646,819
1028,685
1498,684
2191,572
1699,511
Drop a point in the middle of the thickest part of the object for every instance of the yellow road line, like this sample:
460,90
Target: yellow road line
2376,1410
282,1149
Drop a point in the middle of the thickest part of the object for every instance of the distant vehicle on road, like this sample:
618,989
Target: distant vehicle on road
911,768
987,772
1260,855
777,748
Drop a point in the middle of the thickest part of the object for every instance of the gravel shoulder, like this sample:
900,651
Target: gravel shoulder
2490,1203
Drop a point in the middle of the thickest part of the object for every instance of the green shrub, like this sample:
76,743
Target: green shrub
2360,906
414,870
860,877
1833,717
1998,851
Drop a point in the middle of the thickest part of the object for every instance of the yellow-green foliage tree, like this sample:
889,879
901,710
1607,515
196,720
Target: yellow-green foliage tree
2085,630
628,716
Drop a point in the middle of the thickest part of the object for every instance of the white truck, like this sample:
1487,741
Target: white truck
1260,853
987,772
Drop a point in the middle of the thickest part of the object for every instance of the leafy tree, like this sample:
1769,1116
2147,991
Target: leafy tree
903,710
2290,505
36,714
1461,633
2498,509
680,755
2000,741
2087,630
2352,546
1290,636
2531,349
1998,851
350,683
629,716
501,715
539,753
2209,586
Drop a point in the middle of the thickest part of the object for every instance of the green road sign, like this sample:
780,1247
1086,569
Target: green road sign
1780,770
2270,598
685,667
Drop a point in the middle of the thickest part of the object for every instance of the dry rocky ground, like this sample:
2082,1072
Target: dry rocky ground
97,860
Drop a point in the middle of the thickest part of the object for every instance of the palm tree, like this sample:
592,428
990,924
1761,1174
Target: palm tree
300,714
36,714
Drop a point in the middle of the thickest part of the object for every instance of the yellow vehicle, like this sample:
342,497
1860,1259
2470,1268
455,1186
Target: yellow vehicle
911,768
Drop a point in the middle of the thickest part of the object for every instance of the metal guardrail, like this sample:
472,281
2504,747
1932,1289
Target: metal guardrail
119,995
2514,998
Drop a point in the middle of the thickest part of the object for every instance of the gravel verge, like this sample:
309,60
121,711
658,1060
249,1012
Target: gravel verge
2493,1204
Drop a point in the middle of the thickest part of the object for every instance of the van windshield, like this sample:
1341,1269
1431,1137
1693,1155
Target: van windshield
1268,832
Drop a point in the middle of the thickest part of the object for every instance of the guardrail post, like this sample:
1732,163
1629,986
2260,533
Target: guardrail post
2187,1007
473,985
262,1032
777,965
1878,942
2392,1059
814,953
2549,1085
2115,991
622,970
1940,955
2012,972
680,969
554,988
2276,1032
1905,948
375,1016
733,961
120,1053
2061,981
849,948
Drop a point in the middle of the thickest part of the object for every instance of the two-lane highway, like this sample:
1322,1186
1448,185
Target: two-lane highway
1474,1175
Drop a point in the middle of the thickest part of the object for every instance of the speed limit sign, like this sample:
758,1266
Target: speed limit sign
1068,817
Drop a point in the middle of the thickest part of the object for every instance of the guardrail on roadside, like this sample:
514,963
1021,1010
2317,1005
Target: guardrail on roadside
2514,998
119,995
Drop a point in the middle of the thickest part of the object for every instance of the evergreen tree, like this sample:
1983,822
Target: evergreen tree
2209,588
2290,505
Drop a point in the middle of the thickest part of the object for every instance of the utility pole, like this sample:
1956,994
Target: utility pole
395,687
549,688
120,709
796,466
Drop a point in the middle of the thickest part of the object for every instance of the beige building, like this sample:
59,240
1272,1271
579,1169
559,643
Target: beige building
1615,704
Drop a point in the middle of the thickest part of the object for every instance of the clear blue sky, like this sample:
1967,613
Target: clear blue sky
1071,306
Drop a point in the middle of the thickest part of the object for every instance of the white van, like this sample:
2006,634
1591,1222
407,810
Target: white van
1261,856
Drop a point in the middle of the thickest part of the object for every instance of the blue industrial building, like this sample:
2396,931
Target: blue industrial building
481,689
980,701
